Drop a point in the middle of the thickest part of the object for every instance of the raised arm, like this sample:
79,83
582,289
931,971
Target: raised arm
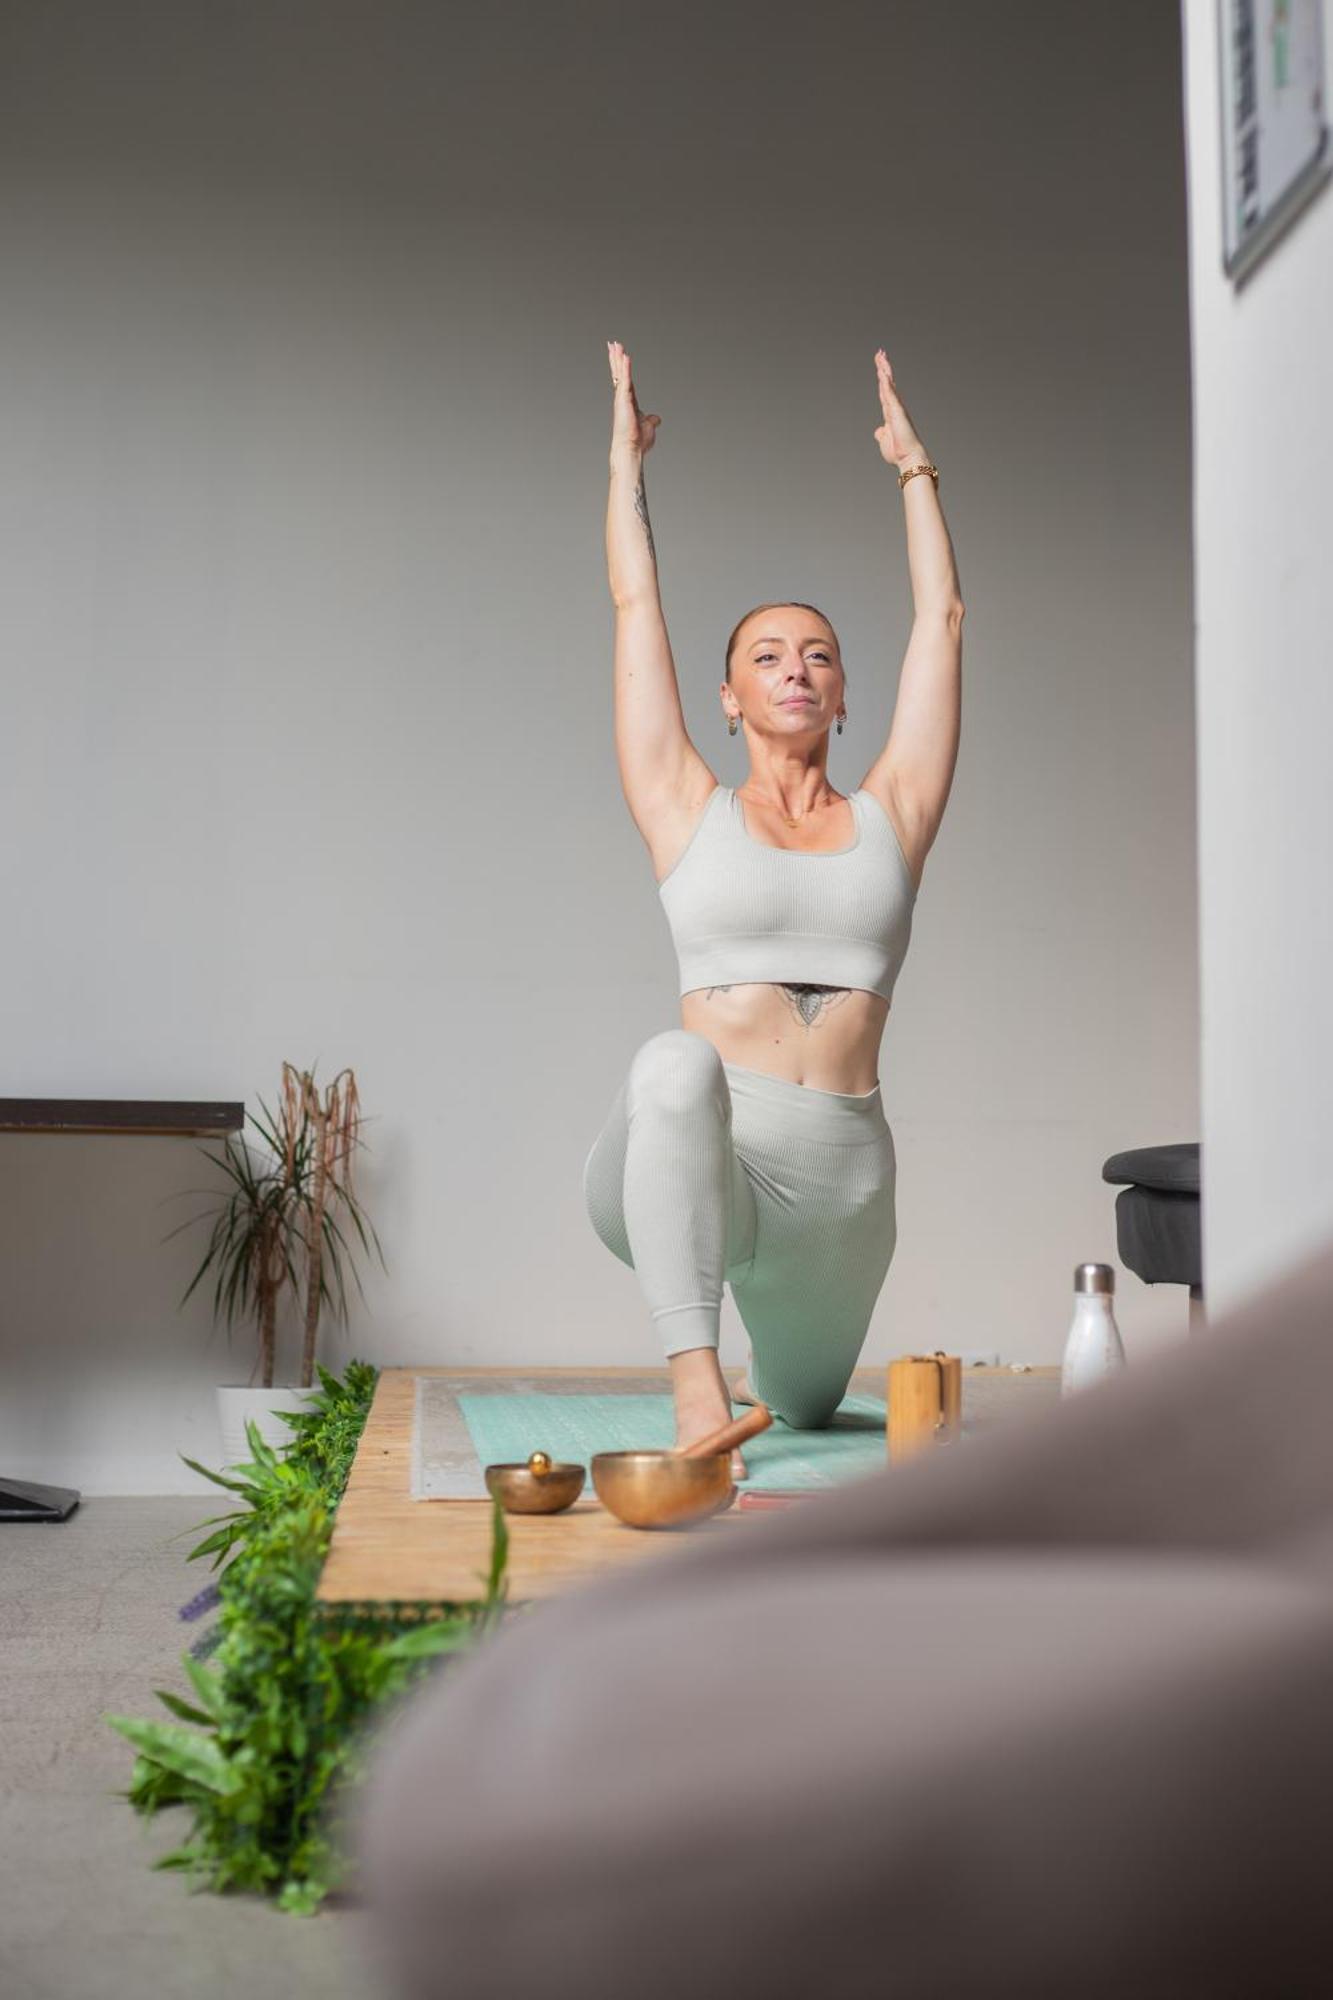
916,766
652,745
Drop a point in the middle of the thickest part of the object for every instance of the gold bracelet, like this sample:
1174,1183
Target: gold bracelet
912,471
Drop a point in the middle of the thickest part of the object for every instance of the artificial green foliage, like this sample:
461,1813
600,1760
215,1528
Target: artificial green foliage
269,1737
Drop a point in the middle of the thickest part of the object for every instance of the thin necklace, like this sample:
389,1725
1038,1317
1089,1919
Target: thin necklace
805,815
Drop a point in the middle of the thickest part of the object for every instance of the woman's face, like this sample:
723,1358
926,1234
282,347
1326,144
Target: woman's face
786,673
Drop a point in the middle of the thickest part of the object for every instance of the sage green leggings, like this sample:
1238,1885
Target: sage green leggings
705,1172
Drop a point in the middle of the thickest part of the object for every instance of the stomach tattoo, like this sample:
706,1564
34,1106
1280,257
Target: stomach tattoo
807,1003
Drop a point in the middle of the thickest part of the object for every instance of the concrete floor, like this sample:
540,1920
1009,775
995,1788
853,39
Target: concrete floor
88,1626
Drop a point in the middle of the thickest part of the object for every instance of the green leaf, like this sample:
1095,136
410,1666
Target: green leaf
218,1478
499,1552
152,1786
180,1750
180,1857
183,1708
435,1635
222,1540
264,1455
237,1514
301,1899
206,1686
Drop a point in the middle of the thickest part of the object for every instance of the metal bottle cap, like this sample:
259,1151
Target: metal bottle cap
1094,1278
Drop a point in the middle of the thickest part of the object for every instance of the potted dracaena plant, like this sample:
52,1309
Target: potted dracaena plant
276,1228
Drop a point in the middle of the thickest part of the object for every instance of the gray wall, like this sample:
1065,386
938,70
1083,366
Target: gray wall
308,748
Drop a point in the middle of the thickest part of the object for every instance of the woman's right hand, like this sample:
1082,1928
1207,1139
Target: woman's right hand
631,431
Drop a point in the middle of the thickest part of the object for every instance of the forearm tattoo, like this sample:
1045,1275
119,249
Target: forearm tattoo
641,509
807,1003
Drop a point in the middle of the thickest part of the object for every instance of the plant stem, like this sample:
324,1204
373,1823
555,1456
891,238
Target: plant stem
268,1308
315,1245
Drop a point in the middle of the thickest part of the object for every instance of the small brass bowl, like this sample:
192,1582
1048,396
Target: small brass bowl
657,1489
520,1490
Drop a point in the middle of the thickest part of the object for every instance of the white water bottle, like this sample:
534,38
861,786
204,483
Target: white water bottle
1094,1349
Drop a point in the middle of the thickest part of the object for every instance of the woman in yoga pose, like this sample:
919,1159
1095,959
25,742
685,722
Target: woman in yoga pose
750,1145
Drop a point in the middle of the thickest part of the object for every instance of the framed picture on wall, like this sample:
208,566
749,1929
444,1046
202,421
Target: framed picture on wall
1275,150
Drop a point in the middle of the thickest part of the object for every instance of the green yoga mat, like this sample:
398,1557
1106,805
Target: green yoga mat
505,1429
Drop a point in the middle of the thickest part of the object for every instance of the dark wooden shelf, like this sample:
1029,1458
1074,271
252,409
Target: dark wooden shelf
148,1117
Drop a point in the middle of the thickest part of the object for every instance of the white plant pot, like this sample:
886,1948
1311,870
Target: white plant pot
261,1407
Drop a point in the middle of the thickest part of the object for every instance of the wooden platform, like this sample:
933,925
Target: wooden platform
388,1547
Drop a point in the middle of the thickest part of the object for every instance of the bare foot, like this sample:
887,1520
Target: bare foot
741,1392
695,1419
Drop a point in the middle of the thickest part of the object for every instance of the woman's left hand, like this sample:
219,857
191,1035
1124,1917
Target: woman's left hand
896,436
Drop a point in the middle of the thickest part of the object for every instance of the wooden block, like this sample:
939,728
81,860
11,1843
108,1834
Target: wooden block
925,1403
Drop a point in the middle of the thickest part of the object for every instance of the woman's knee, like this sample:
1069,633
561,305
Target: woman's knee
806,1400
806,1412
676,1068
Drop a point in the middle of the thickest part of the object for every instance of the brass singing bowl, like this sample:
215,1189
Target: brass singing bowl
659,1489
524,1489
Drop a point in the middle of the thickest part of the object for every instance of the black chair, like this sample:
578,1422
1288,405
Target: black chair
1157,1218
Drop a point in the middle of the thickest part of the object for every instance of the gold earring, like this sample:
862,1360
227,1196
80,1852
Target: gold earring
732,725
840,725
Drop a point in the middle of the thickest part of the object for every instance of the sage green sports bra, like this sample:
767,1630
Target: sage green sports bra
741,911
